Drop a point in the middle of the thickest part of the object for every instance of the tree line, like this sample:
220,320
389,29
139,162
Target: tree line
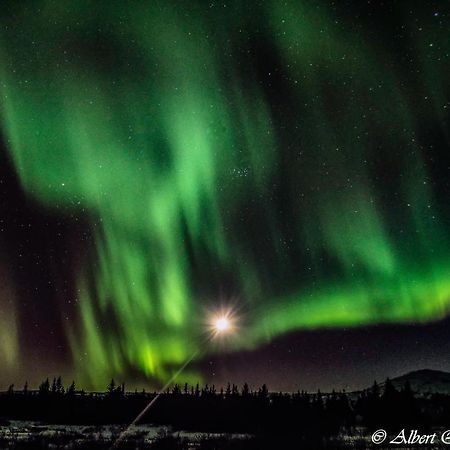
231,408
57,388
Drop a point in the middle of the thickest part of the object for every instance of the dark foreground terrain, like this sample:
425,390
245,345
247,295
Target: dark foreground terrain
23,435
190,417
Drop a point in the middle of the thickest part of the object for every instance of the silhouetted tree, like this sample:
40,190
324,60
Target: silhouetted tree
44,387
111,387
390,392
263,391
59,386
71,389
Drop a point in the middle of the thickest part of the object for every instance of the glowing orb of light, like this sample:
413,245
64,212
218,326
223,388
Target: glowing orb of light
222,324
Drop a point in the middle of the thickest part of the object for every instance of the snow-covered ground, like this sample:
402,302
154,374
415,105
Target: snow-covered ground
28,431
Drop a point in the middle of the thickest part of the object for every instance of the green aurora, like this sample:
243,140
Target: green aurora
307,199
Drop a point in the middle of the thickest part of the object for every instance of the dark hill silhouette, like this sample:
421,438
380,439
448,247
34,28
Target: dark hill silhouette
425,381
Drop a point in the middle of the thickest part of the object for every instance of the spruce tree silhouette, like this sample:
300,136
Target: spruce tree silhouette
71,389
111,387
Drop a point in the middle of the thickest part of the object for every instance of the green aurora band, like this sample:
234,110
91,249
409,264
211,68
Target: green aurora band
153,121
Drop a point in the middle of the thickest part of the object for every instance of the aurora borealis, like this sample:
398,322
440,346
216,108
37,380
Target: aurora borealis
289,158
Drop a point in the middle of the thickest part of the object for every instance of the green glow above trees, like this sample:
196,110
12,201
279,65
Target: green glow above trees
151,121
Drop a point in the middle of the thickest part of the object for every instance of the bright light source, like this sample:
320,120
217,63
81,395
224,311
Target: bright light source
222,324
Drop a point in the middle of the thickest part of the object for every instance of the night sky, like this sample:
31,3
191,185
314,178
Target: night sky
283,162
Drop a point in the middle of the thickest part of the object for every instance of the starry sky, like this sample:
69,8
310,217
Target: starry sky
284,161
